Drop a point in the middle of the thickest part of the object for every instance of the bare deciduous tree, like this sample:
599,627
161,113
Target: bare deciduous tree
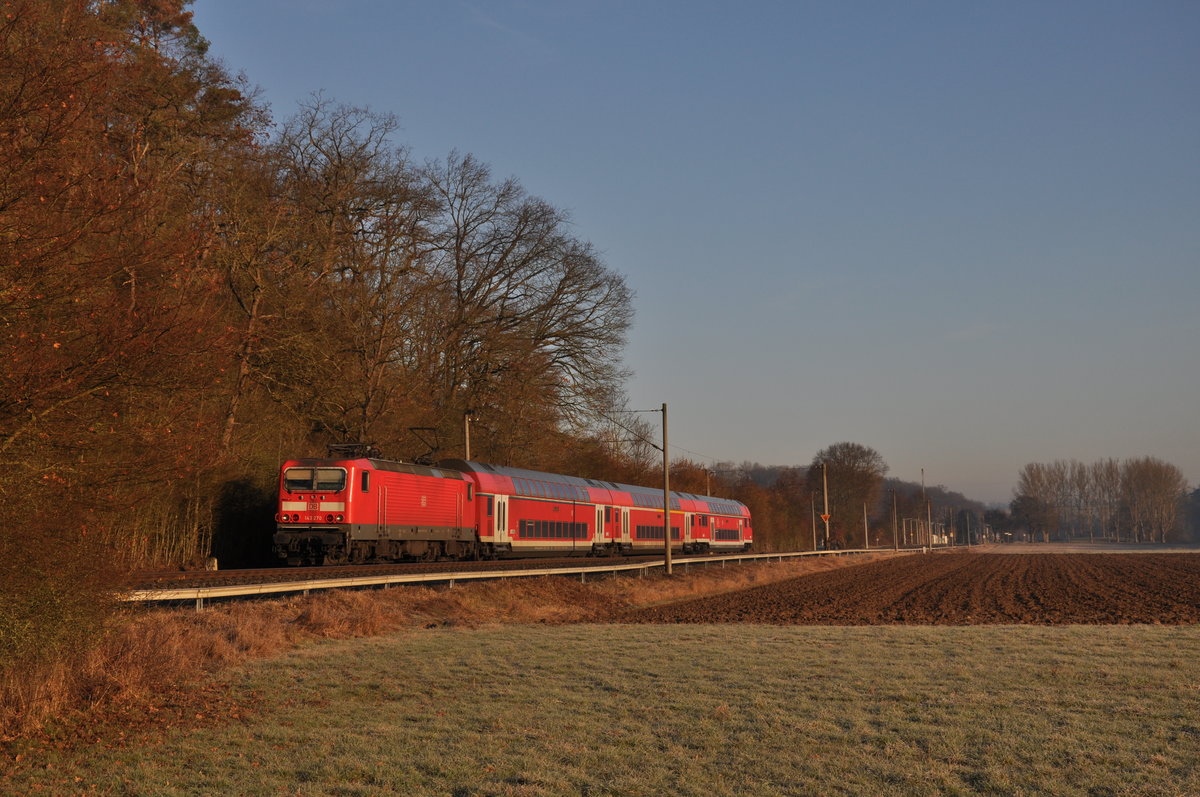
854,473
1064,498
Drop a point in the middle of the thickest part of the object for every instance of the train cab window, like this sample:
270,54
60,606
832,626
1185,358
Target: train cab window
298,479
469,492
331,480
326,480
366,481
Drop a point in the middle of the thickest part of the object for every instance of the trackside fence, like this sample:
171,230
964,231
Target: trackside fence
201,594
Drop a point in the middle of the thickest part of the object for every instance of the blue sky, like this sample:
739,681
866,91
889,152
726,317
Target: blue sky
966,234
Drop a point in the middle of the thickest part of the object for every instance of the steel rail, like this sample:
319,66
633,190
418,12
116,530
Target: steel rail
201,594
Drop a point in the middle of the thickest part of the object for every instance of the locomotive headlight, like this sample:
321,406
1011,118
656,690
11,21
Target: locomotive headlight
329,518
340,518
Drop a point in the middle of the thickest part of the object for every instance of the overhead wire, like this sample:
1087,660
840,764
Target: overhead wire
651,443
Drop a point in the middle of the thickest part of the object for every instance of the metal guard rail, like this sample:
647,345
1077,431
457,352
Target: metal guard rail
201,594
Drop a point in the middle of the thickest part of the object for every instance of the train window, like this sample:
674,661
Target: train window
331,480
489,506
470,493
326,480
366,481
298,479
608,514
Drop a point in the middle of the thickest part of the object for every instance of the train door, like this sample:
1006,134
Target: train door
625,526
381,529
501,520
686,531
599,535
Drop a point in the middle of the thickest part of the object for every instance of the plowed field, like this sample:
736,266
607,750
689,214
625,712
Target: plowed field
966,589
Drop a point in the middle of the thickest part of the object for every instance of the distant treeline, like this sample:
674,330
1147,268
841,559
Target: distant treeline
1134,500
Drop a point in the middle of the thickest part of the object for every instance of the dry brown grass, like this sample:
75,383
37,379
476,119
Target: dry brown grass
153,652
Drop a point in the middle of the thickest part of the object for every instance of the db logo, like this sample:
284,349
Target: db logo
424,501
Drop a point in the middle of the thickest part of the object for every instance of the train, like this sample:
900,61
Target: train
364,509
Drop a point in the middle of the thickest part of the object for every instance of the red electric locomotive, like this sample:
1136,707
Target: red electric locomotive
364,509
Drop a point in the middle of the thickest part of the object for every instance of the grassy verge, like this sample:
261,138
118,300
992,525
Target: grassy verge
146,655
600,709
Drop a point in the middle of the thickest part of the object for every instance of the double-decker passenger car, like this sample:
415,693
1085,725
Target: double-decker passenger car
365,510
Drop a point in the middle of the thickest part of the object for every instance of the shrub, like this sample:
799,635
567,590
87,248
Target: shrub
56,602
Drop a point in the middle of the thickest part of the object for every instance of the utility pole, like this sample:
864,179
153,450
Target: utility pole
666,496
895,538
866,529
812,504
825,487
928,513
468,415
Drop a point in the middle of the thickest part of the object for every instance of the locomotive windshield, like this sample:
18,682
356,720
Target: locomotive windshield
325,480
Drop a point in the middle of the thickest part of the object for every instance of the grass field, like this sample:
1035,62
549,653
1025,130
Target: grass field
694,710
